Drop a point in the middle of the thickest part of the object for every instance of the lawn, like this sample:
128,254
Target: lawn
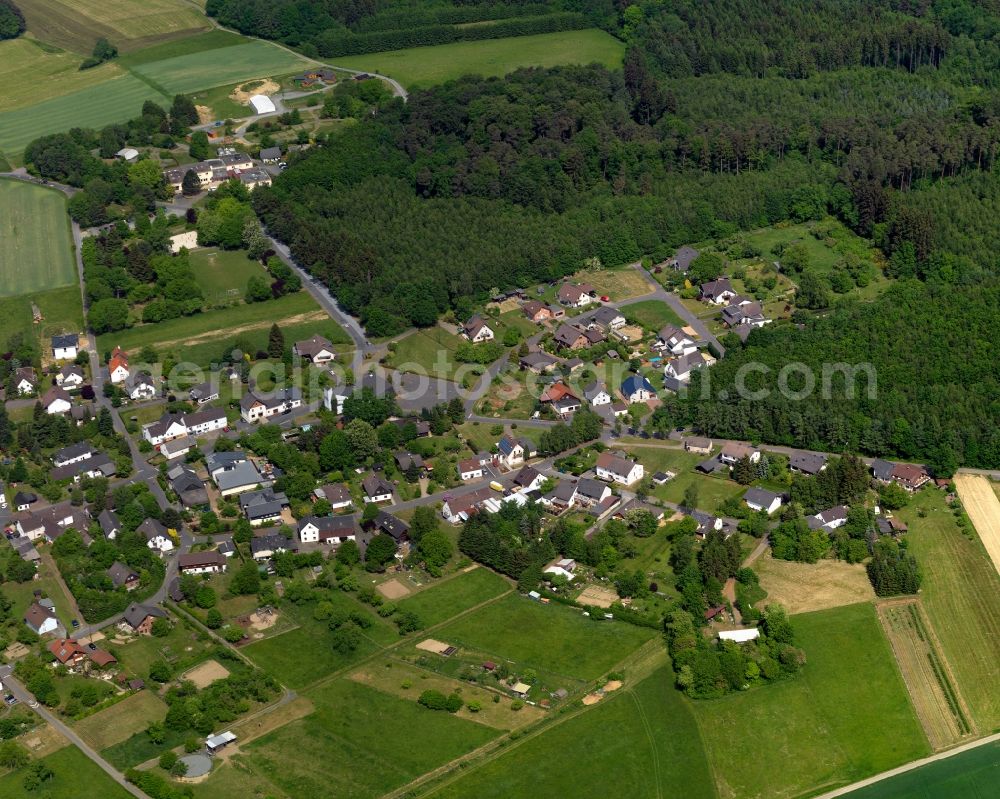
220,272
961,595
429,351
652,314
443,600
202,337
182,648
845,717
368,743
37,252
970,774
202,70
426,66
548,637
61,309
619,283
22,594
77,24
642,743
114,100
122,720
76,777
30,73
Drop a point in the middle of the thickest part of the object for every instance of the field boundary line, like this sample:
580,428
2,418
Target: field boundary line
652,742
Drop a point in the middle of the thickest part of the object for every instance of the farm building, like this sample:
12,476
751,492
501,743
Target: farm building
262,104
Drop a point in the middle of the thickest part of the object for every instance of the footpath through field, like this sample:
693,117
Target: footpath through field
983,506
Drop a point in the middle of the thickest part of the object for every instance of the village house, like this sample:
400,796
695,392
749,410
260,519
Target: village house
537,362
410,461
571,338
25,381
510,452
377,489
100,465
123,577
698,445
110,525
157,536
590,492
528,479
265,505
706,521
74,453
636,388
616,468
317,350
254,407
70,377
68,652
680,368
244,476
204,392
267,546
65,347
681,260
829,519
56,401
140,386
810,463
139,618
733,452
560,399
674,340
330,530
563,567
188,486
576,296
337,494
717,292
174,425
118,369
458,509
743,311
177,447
561,497
608,318
206,562
758,499
536,311
392,526
469,469
597,394
41,620
476,330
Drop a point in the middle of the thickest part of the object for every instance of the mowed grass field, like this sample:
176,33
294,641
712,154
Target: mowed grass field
652,314
359,743
37,251
122,720
974,773
77,24
443,600
961,596
845,717
75,777
221,271
189,73
552,638
30,73
419,67
114,100
642,743
61,308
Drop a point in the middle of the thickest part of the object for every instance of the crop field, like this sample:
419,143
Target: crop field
940,709
214,39
642,743
961,596
652,314
114,100
367,741
190,73
202,337
983,507
37,251
804,587
30,73
419,67
77,24
75,777
845,717
122,720
571,645
443,600
973,773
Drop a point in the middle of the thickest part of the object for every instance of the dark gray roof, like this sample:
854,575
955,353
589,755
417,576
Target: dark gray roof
592,489
760,496
135,614
71,452
807,462
882,470
65,340
393,525
108,521
270,543
121,574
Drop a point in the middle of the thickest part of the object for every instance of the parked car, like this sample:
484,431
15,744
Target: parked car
75,623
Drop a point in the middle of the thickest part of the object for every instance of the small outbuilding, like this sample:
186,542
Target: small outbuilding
128,154
216,742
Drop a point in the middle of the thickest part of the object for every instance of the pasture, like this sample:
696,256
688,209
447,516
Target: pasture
114,100
928,679
75,777
972,773
380,742
30,73
551,638
804,587
77,24
38,251
961,596
122,720
419,67
652,314
184,74
846,716
641,742
441,601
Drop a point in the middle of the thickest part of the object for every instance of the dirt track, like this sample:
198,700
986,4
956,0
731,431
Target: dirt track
983,507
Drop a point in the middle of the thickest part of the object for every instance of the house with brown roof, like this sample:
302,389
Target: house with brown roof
316,349
718,292
123,577
57,401
616,468
537,311
476,330
910,476
377,489
205,562
734,451
337,494
571,338
139,618
469,469
67,651
576,296
25,381
696,444
40,619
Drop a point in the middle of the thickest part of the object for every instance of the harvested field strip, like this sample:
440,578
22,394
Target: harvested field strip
935,698
983,507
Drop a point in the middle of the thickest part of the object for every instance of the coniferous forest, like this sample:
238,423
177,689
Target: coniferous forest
725,116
